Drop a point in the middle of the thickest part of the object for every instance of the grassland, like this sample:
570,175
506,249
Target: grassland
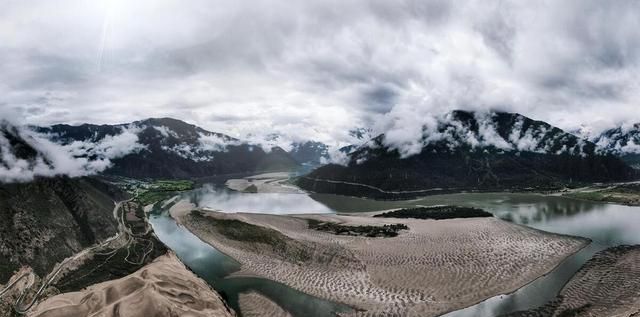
625,194
160,190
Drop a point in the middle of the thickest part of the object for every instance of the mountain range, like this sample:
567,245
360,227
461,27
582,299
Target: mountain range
462,150
170,148
470,151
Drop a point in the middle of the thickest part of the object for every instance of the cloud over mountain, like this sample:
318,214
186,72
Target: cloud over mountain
316,69
25,154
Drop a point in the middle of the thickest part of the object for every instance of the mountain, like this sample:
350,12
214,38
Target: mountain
469,151
313,153
362,134
623,142
310,152
170,148
48,219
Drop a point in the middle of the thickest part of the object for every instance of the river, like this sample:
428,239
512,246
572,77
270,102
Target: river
606,225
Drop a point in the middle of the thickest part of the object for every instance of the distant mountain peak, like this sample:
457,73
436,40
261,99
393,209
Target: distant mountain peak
27,154
310,152
173,148
482,131
621,140
463,150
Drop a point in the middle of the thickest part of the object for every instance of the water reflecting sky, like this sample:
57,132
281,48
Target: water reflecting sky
606,224
217,198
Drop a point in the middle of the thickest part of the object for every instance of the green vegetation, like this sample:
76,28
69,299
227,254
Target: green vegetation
367,231
594,196
160,190
113,263
627,194
251,189
7,269
436,212
172,185
117,260
244,232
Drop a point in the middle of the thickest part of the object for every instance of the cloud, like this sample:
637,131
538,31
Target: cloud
316,69
46,158
478,131
622,140
205,149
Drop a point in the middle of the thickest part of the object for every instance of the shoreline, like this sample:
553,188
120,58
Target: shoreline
531,282
614,270
454,304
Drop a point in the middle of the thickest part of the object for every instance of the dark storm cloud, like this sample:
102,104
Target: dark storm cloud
380,99
316,69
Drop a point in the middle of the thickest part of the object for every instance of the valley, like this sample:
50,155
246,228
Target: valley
454,230
379,275
365,158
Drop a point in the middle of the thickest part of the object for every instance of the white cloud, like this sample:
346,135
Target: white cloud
214,142
165,131
316,69
204,150
75,159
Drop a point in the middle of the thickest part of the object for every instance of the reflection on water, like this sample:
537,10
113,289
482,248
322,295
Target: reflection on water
606,224
196,254
217,198
213,266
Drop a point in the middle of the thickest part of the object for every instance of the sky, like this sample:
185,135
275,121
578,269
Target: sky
316,69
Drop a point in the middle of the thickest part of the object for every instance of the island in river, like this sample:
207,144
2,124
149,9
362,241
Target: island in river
428,269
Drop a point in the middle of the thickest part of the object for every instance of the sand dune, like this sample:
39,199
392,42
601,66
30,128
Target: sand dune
163,288
433,268
607,285
256,305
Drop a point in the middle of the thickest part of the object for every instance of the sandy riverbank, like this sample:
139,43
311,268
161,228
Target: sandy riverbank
163,288
607,285
432,268
264,183
256,305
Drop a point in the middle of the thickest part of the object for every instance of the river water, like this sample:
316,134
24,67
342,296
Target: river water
605,224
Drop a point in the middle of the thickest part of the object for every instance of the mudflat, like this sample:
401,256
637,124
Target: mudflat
433,267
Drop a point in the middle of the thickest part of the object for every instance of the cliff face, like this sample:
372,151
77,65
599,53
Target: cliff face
49,219
503,151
